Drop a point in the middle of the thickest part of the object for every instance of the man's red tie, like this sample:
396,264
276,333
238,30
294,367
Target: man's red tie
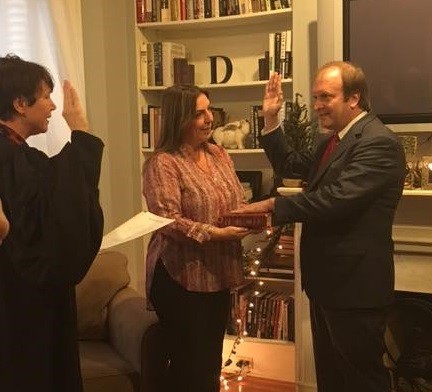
331,145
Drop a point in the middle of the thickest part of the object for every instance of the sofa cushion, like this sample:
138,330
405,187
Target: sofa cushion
107,275
104,370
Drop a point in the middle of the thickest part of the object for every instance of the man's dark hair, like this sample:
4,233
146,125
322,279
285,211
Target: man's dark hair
20,79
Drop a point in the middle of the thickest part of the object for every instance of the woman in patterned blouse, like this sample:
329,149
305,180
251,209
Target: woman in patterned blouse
191,263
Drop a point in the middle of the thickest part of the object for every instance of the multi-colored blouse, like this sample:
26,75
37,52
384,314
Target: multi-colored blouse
175,187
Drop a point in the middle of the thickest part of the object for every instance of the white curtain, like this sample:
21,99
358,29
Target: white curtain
48,32
69,37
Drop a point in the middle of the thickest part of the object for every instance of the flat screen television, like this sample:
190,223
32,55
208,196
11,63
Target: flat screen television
392,41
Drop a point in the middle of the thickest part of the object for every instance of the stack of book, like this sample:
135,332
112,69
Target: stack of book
280,263
283,253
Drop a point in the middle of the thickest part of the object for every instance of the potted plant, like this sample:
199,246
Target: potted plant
299,134
297,127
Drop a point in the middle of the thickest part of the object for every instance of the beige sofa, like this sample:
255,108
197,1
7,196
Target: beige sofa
121,348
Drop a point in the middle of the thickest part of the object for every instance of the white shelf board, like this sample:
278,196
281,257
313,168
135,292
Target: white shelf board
417,192
261,340
285,191
251,84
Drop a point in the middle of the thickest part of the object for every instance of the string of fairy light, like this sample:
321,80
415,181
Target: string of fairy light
253,260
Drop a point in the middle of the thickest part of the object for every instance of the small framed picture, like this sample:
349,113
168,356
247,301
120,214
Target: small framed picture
426,176
253,179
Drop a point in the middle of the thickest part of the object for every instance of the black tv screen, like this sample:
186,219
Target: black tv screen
392,41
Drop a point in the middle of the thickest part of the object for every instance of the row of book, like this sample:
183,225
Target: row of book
148,11
279,56
280,53
164,63
256,120
256,125
151,121
266,315
151,124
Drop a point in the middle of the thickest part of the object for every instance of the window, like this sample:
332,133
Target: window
26,29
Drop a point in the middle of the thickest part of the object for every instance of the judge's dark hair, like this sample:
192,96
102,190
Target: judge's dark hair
20,79
178,110
353,81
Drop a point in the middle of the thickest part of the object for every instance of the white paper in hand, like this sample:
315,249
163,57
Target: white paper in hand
141,224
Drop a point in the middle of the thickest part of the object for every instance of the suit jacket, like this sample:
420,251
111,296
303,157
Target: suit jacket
347,212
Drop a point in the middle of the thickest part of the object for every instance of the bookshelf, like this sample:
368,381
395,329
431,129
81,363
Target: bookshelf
243,39
275,357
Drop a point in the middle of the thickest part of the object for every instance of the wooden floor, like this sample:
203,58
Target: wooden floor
255,384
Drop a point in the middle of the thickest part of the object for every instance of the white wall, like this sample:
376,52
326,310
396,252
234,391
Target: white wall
110,74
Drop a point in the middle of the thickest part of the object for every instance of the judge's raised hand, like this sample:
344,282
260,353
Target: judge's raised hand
4,224
272,101
260,206
73,112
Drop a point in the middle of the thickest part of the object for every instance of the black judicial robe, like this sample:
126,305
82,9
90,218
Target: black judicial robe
56,226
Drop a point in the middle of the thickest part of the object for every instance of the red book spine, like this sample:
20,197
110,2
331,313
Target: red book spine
140,12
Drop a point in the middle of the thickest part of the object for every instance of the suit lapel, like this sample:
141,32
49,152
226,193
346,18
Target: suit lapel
349,139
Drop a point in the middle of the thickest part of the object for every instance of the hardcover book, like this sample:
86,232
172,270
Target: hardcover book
140,11
184,73
258,221
143,65
165,11
145,127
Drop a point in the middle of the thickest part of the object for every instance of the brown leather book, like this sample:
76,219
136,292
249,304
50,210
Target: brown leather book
256,221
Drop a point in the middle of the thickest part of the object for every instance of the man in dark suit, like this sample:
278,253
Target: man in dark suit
354,182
